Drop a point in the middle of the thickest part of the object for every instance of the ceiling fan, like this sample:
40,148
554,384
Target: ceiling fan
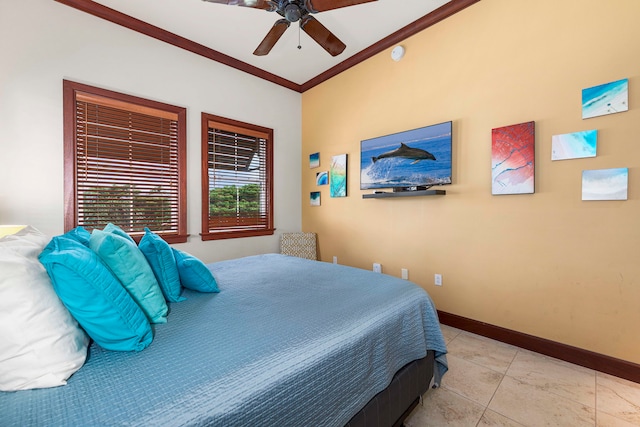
293,11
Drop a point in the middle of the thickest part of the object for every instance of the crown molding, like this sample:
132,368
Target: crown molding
440,14
127,21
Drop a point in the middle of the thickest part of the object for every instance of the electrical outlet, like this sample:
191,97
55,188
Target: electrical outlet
377,268
437,279
405,274
335,259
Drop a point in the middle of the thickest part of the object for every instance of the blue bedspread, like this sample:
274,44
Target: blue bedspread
287,341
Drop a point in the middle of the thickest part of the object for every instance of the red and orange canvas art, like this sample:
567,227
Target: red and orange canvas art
513,159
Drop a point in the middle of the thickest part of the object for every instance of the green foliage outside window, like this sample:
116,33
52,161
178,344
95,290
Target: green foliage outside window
235,201
128,207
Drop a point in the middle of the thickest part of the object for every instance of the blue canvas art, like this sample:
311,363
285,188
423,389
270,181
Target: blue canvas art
314,160
338,176
314,198
605,184
575,145
608,98
322,178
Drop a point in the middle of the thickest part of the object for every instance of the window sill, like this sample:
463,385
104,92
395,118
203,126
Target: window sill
219,235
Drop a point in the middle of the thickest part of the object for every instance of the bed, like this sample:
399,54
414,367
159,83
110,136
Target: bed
286,341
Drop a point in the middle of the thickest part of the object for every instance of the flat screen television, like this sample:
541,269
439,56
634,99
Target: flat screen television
411,160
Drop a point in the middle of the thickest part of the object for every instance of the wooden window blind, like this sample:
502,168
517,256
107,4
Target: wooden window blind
127,158
237,193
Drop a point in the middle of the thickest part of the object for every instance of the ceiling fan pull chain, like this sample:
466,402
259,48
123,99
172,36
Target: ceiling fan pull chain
299,45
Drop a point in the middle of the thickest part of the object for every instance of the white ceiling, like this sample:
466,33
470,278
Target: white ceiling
236,31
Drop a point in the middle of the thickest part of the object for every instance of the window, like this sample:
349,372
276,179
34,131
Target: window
237,191
124,162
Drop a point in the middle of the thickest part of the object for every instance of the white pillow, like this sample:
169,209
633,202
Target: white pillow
41,344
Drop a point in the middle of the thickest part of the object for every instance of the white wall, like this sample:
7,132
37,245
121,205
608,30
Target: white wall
39,47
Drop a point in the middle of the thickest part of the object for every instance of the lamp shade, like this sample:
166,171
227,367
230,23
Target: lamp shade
6,230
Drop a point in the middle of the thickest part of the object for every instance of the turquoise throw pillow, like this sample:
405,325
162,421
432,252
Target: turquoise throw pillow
114,229
94,297
79,234
129,265
194,274
163,263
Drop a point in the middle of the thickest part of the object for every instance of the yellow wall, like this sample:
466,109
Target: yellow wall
546,264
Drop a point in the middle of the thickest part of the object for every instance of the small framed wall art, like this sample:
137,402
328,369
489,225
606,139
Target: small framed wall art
575,145
605,184
608,98
314,160
314,198
322,178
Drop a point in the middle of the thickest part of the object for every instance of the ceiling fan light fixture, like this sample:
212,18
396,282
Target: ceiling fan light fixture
292,12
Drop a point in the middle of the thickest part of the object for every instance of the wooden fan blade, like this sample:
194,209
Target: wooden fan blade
272,37
321,35
314,6
256,4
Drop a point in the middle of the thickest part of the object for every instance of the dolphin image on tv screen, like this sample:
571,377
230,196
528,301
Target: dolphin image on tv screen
415,154
420,157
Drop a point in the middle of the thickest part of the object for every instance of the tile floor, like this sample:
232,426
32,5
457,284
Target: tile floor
490,383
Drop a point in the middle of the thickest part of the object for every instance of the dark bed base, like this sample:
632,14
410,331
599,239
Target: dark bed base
392,405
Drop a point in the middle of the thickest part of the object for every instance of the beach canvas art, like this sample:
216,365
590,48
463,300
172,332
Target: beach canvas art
608,98
322,178
314,160
513,159
605,184
314,198
338,176
575,145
